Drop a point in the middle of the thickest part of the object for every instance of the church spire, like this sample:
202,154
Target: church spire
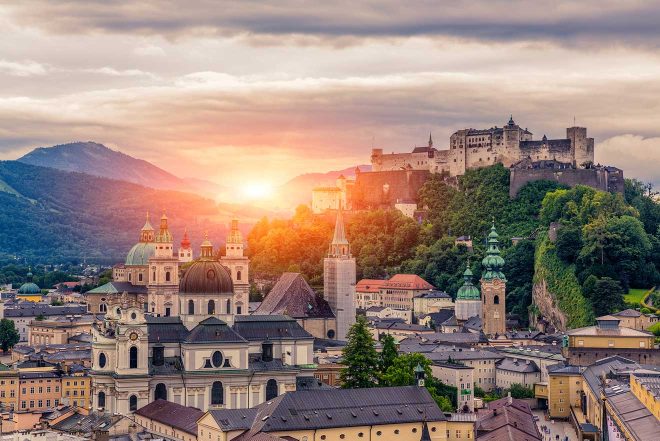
185,242
339,246
147,232
164,235
430,140
235,236
493,262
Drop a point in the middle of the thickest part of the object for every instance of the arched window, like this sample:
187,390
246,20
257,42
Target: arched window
211,307
167,276
271,389
140,277
132,403
102,360
228,306
103,307
217,393
101,399
153,278
496,300
129,277
191,307
133,358
161,392
238,275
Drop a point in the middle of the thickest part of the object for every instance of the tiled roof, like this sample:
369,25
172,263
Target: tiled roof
213,330
33,310
234,419
635,416
78,423
165,329
172,414
118,288
293,296
515,365
627,313
506,419
273,327
433,294
369,285
407,281
595,331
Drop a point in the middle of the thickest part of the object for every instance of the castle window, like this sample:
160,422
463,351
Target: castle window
496,300
238,275
191,307
228,306
102,360
217,393
133,357
101,399
161,392
133,403
167,276
271,389
211,307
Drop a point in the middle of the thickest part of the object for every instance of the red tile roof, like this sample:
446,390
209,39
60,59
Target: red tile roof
408,281
369,285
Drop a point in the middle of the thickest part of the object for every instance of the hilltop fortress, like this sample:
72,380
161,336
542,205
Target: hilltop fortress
473,148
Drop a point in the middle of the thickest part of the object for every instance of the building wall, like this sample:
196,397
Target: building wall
460,377
325,328
9,389
44,332
645,396
600,179
506,378
77,388
494,315
339,290
423,305
484,373
564,392
164,430
39,394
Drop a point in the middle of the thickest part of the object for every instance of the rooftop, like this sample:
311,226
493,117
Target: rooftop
506,419
407,281
172,414
293,296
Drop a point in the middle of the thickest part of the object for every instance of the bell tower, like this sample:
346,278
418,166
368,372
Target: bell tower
493,288
238,266
163,278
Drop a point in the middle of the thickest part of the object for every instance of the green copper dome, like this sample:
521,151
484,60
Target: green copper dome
468,291
29,288
493,262
140,253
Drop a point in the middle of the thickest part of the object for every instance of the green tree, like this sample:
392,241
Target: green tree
569,243
607,297
8,334
360,358
389,353
519,391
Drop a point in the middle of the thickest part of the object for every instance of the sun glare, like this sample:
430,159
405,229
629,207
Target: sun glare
257,190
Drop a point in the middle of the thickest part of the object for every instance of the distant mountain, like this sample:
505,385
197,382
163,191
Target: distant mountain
49,215
299,189
98,160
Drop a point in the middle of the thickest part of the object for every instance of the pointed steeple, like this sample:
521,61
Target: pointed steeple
185,242
511,122
164,235
339,246
147,232
493,262
430,140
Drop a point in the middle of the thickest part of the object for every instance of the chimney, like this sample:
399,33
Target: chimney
509,400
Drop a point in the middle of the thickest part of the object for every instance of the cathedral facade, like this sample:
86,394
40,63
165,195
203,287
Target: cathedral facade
183,333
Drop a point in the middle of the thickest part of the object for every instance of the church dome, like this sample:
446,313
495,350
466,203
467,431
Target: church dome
468,291
140,253
29,288
206,277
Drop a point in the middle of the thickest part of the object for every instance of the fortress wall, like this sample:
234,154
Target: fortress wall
599,179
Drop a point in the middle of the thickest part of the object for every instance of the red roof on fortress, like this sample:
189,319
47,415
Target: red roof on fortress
369,285
408,281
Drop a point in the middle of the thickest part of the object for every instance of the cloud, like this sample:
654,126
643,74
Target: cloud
567,22
637,156
23,68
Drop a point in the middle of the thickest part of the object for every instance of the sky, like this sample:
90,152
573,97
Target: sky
256,92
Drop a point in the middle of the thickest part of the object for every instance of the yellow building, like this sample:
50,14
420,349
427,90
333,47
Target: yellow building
647,390
29,291
564,390
383,414
8,387
169,420
77,388
58,330
585,346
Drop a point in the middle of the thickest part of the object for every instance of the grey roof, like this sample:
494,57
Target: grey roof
627,313
615,363
635,416
467,338
174,415
273,327
506,420
433,294
473,323
440,316
118,288
234,419
329,408
78,423
376,308
518,335
443,353
399,326
34,310
564,369
213,330
517,365
293,296
165,329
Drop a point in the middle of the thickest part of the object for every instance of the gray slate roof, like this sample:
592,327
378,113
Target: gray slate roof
174,415
213,330
517,365
34,310
273,327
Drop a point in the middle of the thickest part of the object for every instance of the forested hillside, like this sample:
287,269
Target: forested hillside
47,215
386,242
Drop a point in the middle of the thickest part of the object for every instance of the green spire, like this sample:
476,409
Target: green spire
468,291
493,262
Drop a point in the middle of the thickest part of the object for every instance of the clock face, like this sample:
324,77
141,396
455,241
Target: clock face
133,336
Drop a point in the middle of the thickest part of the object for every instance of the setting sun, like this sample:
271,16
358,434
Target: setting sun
257,190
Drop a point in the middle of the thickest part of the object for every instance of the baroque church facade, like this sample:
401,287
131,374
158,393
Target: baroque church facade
182,333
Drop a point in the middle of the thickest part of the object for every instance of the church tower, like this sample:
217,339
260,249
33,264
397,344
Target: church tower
238,266
468,298
493,288
163,284
185,250
339,279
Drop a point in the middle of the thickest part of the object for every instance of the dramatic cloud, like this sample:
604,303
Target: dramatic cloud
639,156
252,91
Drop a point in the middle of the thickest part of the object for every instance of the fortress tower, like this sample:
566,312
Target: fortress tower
339,279
493,288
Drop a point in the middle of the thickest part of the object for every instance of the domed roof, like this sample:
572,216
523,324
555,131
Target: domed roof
206,277
29,288
493,261
468,291
140,253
